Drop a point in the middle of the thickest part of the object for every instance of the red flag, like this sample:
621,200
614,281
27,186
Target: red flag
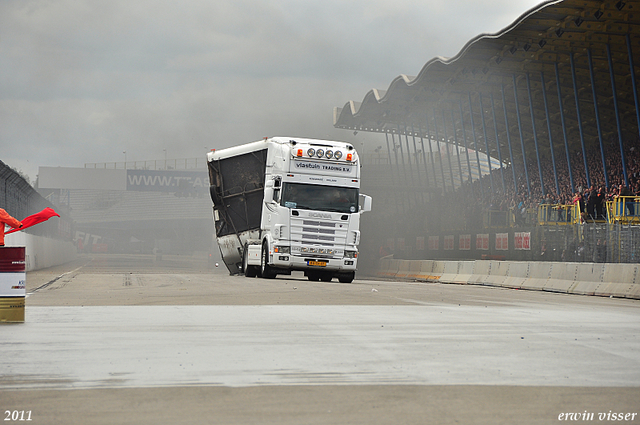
36,218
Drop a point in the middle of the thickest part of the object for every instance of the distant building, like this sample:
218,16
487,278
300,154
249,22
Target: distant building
133,210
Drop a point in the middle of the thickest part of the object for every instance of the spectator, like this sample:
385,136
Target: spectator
6,219
599,204
627,198
591,202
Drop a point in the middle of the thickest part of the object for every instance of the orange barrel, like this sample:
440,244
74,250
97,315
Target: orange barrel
13,278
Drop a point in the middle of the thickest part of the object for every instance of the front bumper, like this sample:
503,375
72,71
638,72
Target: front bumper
294,262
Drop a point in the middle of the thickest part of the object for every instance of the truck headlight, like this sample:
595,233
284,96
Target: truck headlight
281,249
351,254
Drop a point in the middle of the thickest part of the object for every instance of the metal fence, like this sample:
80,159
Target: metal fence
590,242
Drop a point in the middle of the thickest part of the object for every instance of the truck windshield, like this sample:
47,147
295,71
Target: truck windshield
320,198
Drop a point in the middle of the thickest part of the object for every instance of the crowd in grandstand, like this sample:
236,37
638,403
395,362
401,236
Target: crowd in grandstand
591,198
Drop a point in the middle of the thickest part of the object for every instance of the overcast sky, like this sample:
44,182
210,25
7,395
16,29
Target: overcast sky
82,81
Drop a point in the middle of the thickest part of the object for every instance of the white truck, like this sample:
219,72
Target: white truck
284,204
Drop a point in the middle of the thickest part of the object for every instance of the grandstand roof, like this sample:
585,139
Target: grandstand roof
536,51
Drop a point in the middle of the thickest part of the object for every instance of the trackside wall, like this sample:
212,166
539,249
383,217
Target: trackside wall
608,279
42,252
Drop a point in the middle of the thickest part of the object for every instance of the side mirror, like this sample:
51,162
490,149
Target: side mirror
268,191
365,203
268,194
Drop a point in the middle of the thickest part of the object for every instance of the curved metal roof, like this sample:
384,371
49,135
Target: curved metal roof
539,54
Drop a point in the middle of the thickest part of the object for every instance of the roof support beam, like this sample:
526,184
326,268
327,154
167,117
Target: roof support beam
464,135
579,117
506,122
486,142
633,80
435,126
475,145
535,136
546,110
564,127
524,155
495,127
595,106
617,112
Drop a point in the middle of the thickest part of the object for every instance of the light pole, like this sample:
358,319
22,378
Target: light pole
125,159
165,158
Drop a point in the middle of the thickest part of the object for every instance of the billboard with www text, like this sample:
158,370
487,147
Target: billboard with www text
168,181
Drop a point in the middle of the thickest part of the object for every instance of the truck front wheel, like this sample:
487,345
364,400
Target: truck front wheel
267,271
347,278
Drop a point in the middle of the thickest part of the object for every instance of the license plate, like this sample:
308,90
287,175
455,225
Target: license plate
317,263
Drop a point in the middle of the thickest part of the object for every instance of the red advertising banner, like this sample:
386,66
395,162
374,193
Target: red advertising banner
464,243
482,241
448,243
522,240
434,241
502,241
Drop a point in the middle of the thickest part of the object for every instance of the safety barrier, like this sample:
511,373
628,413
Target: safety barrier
624,210
608,279
621,210
425,270
557,214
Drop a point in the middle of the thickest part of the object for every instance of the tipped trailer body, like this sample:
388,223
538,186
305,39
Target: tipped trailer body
283,204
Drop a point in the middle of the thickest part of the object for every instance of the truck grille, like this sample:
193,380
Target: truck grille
326,233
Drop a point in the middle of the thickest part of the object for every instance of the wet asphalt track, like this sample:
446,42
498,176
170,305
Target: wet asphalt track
113,329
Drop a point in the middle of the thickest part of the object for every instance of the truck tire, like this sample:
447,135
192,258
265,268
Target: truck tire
326,277
347,278
249,271
267,271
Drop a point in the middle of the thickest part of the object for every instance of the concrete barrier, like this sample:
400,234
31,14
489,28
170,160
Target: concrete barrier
388,267
415,270
449,271
465,271
481,270
617,280
539,273
517,274
426,266
591,274
562,277
437,270
404,268
497,273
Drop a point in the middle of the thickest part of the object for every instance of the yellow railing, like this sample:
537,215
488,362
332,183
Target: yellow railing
624,210
552,214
